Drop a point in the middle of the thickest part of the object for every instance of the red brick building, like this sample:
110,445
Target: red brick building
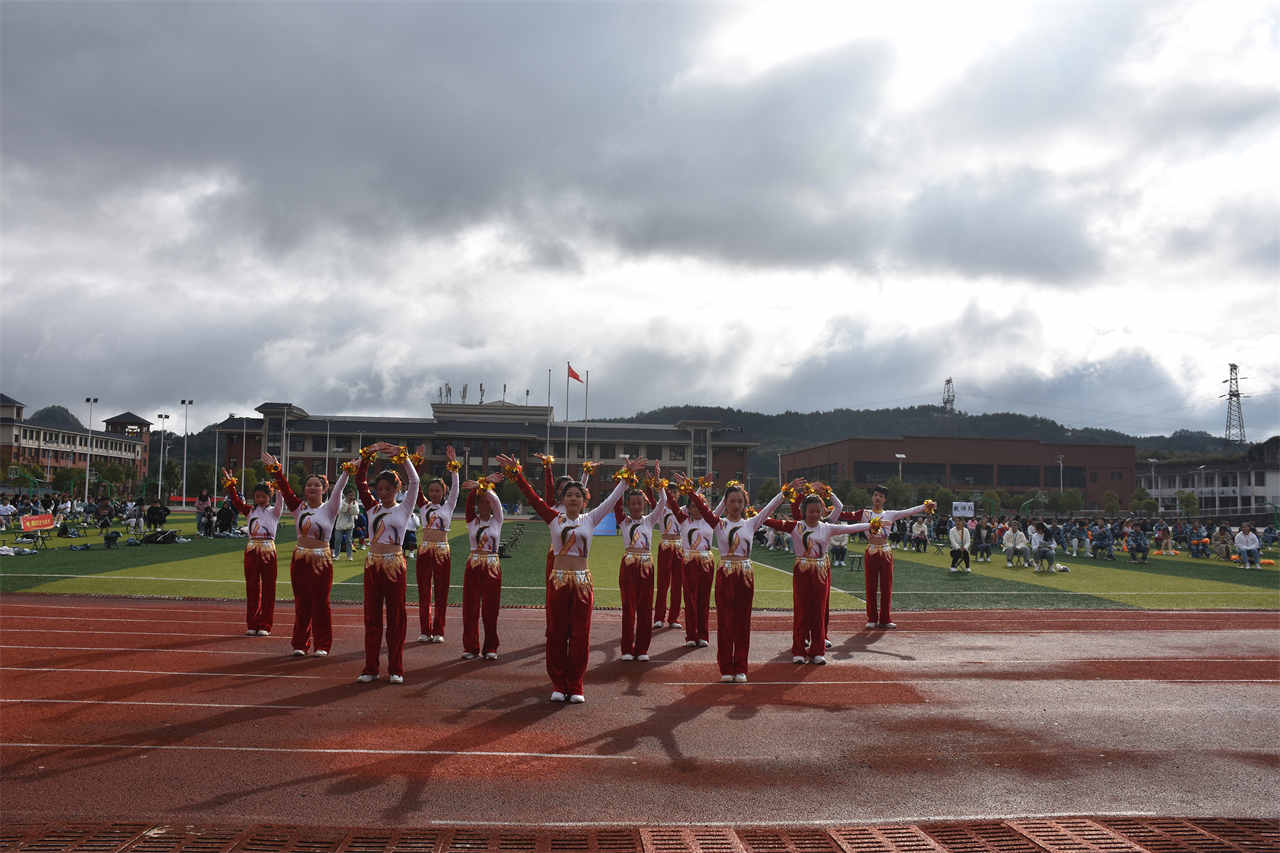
967,465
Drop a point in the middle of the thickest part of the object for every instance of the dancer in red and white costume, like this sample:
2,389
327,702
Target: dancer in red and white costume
635,571
482,576
878,565
553,490
735,581
698,568
385,569
311,567
570,593
259,553
811,577
666,610
434,561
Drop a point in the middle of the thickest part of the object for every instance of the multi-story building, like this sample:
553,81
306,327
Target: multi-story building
971,465
123,442
479,433
1245,484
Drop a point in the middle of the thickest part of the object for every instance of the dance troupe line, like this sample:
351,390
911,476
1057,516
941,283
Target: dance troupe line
685,564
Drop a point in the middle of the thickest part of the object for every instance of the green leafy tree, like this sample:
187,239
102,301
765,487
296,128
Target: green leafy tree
900,494
110,472
1071,501
67,479
767,489
856,498
1188,503
945,497
172,477
990,503
1111,503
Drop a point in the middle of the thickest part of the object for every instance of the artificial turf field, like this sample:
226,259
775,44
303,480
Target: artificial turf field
212,568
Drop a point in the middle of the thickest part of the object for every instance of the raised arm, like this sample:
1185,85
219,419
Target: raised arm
237,503
659,508
451,500
769,509
335,497
367,455
469,506
837,509
282,483
516,474
673,506
492,497
711,518
606,506
277,508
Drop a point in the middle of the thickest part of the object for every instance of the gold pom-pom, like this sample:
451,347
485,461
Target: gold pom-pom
401,456
484,485
349,466
417,458
589,467
273,468
368,454
512,470
930,507
230,483
874,526
453,465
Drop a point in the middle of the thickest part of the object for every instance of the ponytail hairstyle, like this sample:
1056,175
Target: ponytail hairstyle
390,476
265,488
811,499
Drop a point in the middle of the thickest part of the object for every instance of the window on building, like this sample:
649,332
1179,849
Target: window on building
677,452
318,443
1246,502
317,466
874,472
297,443
1230,478
631,451
1259,478
342,443
1117,475
1093,476
580,450
654,452
921,472
437,446
973,475
606,451
1018,475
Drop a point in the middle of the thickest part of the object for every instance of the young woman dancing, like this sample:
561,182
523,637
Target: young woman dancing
811,576
553,490
698,568
635,572
311,567
384,567
259,552
878,567
482,576
735,581
570,595
434,562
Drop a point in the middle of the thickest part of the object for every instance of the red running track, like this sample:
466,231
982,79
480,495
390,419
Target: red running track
128,709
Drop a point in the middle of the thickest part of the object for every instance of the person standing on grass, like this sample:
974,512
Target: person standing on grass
811,576
434,565
482,575
878,562
311,568
385,568
570,589
259,553
1248,547
345,524
735,580
960,542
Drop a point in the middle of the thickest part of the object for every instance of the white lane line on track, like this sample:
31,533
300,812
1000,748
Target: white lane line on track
280,583
975,678
135,649
792,574
165,672
465,753
162,704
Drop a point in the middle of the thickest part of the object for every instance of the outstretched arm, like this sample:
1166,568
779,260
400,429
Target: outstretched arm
606,506
837,509
838,529
237,503
335,497
769,509
281,481
516,474
781,524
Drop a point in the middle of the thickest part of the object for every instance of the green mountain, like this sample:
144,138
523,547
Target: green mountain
54,417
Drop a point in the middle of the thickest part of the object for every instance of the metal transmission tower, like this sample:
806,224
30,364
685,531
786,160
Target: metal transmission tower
1235,414
949,397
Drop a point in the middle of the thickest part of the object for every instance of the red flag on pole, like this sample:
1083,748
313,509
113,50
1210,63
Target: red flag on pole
573,374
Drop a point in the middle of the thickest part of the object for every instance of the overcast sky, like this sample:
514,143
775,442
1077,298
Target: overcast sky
1071,208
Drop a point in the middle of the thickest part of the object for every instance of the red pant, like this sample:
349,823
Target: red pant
735,589
432,573
259,586
878,568
809,591
670,578
311,573
635,580
699,576
570,597
382,592
481,593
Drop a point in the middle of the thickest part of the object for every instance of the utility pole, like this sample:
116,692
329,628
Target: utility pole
164,420
186,405
1235,414
949,397
88,456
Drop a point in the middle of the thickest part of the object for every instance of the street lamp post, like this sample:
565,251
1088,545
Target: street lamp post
163,419
1059,473
88,456
244,437
186,404
900,457
1153,461
466,461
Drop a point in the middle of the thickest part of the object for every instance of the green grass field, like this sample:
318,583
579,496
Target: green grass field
207,568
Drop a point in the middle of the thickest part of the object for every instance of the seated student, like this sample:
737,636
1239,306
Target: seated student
1198,540
1015,545
1247,546
1101,541
1221,543
839,548
981,541
1043,548
961,540
1137,543
919,536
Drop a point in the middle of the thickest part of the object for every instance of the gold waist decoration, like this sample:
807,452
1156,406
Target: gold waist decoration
697,555
316,558
482,558
736,566
817,565
644,555
669,541
430,534
392,564
560,578
429,547
262,546
879,549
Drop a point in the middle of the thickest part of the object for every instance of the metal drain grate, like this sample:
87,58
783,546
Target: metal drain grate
1069,835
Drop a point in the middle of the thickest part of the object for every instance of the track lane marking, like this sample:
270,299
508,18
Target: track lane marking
166,672
320,750
161,704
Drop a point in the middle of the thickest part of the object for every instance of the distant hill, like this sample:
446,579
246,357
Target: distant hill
794,430
55,417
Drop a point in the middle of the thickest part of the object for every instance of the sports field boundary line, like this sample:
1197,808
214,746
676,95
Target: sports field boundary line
232,706
314,750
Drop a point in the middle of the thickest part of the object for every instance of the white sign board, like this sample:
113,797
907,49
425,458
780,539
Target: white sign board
964,509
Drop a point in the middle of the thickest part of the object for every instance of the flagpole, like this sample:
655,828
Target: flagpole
566,418
547,449
586,396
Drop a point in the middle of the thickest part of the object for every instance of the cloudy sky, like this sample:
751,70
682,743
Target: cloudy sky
1072,208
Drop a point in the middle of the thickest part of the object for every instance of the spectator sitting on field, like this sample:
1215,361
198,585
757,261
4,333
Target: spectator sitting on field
961,540
919,536
1137,543
1015,545
839,545
156,515
1247,546
1102,539
1043,548
980,541
1221,543
1197,536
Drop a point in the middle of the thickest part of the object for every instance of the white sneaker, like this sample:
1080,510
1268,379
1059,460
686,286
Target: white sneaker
871,626
888,624
424,638
797,659
642,658
251,633
968,571
557,696
826,644
658,624
726,679
740,678
674,625
628,657
365,678
702,644
819,660
490,655
469,656
321,653
577,699
954,570
396,679
690,644
438,639
263,632
299,653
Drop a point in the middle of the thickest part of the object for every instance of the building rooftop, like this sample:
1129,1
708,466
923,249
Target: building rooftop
6,400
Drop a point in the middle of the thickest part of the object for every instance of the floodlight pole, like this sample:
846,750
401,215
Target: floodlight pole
88,457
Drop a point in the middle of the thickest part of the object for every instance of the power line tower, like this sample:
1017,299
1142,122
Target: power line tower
1235,414
949,397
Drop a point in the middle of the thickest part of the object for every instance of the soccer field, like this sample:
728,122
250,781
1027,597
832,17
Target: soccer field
205,568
